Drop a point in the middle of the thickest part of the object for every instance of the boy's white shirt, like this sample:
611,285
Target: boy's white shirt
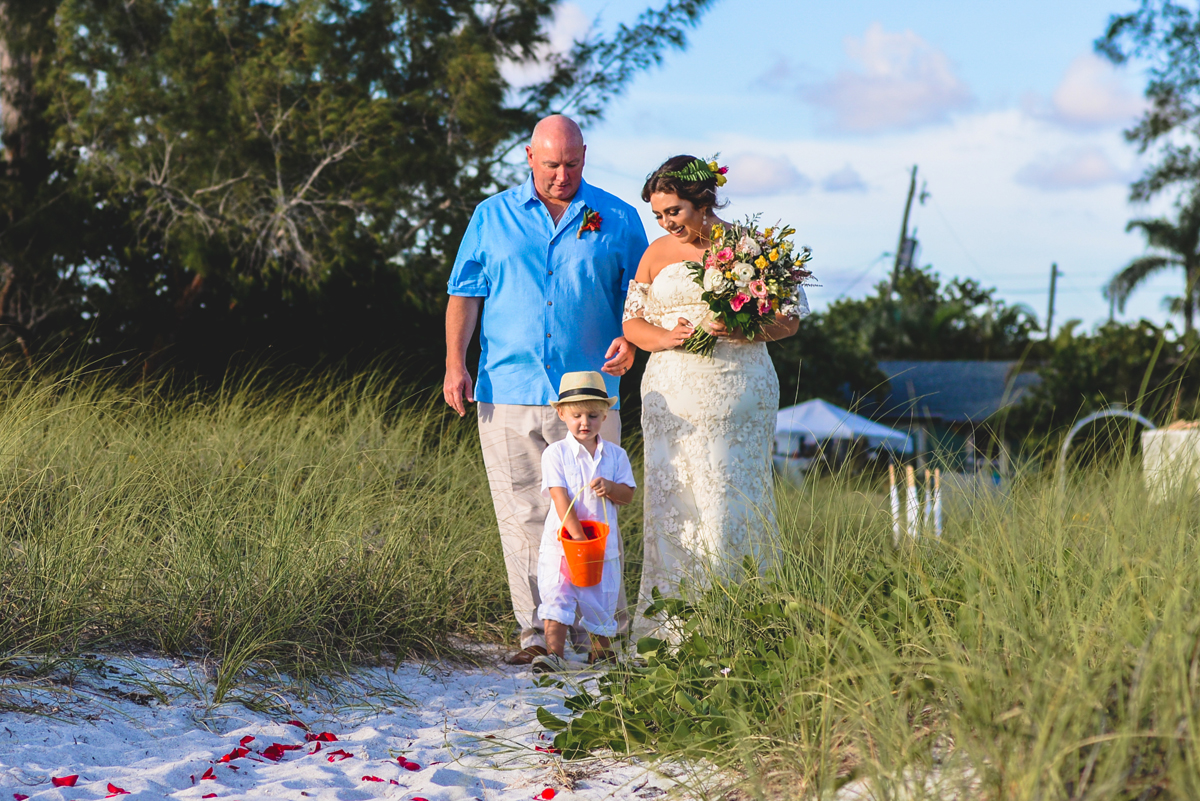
568,465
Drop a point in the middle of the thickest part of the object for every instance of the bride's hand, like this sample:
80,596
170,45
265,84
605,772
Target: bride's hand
718,329
677,335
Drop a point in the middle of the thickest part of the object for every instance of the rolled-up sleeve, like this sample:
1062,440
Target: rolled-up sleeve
468,278
553,474
624,471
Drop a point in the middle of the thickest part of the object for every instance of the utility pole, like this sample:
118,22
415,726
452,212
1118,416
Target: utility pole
912,189
1054,274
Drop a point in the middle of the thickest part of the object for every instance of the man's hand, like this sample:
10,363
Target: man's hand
619,357
461,315
458,390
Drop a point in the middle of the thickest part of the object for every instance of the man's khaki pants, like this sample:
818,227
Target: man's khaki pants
513,438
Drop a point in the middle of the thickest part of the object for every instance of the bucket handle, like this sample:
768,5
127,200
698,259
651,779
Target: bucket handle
562,523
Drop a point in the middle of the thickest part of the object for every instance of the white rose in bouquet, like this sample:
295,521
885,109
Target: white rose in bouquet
715,281
748,247
744,273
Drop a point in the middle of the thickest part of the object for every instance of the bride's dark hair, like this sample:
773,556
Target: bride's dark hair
701,194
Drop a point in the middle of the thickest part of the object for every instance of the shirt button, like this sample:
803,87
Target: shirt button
547,367
550,273
549,303
547,336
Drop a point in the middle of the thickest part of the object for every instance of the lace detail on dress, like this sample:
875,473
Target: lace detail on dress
635,301
800,301
708,424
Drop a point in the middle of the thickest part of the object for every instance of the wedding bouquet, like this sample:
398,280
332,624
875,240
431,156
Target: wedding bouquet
748,276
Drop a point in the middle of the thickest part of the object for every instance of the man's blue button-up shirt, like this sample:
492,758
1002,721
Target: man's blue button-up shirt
553,297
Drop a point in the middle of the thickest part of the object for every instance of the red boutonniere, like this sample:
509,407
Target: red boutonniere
591,222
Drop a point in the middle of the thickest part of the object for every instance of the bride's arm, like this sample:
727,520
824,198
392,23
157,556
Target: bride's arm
783,327
649,337
640,331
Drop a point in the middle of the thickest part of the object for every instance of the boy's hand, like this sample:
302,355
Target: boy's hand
602,487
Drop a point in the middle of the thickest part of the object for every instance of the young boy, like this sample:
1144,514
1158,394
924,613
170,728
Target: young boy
581,461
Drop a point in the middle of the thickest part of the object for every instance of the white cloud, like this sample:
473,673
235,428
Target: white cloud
846,179
754,174
903,82
1091,95
1074,168
569,24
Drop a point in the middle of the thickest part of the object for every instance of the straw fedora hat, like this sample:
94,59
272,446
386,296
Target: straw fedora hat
582,386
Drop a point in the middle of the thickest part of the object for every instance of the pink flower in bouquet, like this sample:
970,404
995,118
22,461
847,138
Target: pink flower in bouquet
709,262
725,254
764,306
758,288
739,300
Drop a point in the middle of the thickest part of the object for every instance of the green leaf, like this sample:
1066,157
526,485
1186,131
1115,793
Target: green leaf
549,721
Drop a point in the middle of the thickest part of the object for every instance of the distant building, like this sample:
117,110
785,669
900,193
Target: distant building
944,404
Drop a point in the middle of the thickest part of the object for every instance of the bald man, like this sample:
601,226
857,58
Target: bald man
548,262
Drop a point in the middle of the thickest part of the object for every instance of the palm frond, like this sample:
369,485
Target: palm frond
1121,285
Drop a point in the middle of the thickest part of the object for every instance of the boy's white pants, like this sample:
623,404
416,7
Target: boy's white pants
594,607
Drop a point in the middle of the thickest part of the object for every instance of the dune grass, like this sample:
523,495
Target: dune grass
1047,647
305,524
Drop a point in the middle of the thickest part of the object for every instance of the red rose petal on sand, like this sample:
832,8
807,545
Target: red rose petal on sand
249,738
20,797
404,763
325,737
64,781
338,755
548,793
545,750
296,723
371,779
419,798
275,751
390,781
209,795
114,791
236,753
209,774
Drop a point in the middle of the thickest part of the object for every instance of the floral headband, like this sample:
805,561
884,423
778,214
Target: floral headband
701,170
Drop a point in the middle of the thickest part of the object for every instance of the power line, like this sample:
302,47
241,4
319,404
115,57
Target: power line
956,238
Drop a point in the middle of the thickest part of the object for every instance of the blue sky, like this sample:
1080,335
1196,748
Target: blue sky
821,109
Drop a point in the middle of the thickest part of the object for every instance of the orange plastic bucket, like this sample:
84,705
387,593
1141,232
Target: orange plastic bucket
585,558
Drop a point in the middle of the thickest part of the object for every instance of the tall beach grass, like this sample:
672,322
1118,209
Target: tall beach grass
1046,647
305,524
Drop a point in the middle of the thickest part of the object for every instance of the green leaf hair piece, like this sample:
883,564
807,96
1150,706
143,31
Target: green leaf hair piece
695,171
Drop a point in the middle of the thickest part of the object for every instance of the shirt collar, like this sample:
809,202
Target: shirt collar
583,195
578,450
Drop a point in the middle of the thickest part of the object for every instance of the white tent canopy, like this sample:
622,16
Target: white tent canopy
818,421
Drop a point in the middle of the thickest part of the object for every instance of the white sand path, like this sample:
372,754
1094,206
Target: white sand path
463,732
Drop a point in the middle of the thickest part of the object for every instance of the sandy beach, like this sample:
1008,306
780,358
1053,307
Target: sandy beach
146,727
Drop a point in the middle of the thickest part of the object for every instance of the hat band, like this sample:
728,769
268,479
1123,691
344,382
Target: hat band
589,392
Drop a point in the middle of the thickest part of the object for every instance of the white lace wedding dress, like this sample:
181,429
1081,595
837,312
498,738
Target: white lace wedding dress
708,425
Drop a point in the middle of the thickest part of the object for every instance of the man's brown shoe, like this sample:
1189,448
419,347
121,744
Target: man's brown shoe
526,655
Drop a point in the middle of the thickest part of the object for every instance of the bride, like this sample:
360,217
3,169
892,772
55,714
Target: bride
708,422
